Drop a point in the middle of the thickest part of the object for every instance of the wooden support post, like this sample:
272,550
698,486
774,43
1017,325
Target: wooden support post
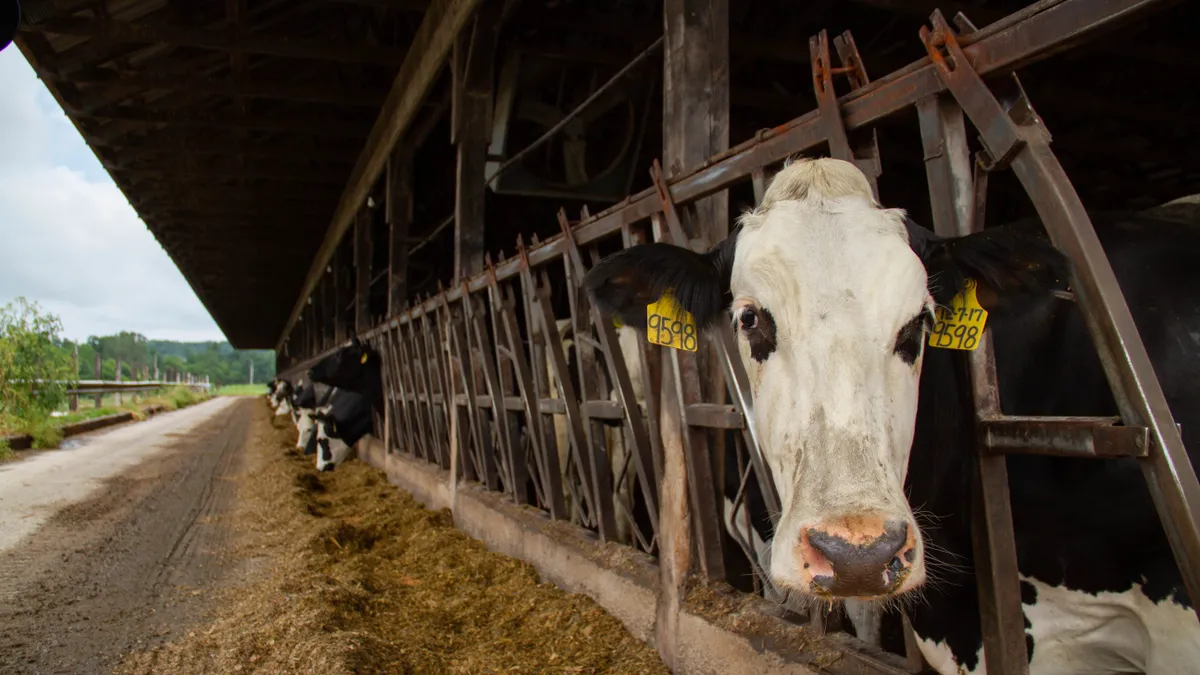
335,314
474,56
399,205
98,372
362,271
156,374
117,378
73,400
696,127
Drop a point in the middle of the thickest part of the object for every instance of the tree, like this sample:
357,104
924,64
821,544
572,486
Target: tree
35,368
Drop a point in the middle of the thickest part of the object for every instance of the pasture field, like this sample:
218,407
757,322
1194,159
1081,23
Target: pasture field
351,575
242,390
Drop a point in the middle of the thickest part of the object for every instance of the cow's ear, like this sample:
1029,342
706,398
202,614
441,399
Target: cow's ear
624,283
1013,265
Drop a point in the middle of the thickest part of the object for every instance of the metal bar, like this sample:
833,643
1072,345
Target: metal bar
948,168
1095,437
546,462
575,420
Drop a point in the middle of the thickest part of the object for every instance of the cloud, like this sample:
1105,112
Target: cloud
68,237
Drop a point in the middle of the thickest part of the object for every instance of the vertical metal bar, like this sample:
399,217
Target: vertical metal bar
533,416
575,420
948,169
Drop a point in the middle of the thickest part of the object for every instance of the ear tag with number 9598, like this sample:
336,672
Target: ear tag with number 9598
960,326
670,325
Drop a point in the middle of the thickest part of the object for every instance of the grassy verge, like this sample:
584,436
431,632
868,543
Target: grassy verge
47,431
242,390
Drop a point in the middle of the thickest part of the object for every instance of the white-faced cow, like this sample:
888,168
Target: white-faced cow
281,398
832,300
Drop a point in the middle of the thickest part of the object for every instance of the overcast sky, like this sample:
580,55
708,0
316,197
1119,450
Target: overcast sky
68,237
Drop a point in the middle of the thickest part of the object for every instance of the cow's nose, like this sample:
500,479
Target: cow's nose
863,558
328,467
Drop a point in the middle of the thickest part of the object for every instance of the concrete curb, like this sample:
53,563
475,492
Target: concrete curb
25,441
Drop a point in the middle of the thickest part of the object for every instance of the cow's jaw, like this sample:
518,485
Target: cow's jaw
306,427
834,281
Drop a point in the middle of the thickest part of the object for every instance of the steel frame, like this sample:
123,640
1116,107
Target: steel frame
498,365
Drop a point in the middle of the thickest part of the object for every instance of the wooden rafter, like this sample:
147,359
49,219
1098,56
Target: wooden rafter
219,39
426,57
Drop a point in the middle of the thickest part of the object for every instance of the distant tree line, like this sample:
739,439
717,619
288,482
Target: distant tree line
218,360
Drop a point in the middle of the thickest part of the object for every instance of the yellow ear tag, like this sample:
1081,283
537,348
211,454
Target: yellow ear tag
363,359
960,325
616,321
670,325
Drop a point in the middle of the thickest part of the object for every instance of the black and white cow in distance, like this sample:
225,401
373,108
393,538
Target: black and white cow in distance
280,397
309,399
339,425
354,374
832,299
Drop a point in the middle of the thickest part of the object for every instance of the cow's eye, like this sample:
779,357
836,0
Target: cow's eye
749,319
757,324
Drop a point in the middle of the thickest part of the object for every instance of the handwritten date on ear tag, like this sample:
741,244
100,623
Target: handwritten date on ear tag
670,325
960,326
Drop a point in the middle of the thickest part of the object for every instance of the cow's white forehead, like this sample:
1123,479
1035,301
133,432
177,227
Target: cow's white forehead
844,260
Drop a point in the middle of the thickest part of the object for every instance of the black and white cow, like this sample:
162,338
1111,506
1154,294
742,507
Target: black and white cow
309,399
340,424
354,374
832,299
281,397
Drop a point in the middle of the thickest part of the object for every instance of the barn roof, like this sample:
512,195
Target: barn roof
246,133
232,127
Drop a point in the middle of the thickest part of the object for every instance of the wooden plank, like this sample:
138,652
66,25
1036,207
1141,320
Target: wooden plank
399,204
696,127
420,69
363,246
475,53
115,32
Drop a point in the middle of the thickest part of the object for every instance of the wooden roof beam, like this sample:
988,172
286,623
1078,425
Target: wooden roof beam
220,40
325,92
307,125
426,57
156,146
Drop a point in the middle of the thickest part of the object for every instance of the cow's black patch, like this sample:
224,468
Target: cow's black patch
910,340
758,325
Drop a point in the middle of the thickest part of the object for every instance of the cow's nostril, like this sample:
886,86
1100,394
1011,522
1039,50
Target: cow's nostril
851,563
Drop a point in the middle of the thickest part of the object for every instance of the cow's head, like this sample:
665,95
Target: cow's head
832,298
354,367
331,450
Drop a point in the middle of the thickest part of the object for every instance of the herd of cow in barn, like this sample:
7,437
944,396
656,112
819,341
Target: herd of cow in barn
868,431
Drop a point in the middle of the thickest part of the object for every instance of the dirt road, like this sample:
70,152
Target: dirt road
105,547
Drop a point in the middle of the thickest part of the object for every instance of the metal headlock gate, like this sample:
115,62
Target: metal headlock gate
467,372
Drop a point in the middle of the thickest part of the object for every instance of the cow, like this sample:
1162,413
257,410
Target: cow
340,424
355,367
355,376
310,398
281,398
832,298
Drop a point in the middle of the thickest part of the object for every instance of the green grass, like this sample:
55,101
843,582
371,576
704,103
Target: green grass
242,390
47,431
5,451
